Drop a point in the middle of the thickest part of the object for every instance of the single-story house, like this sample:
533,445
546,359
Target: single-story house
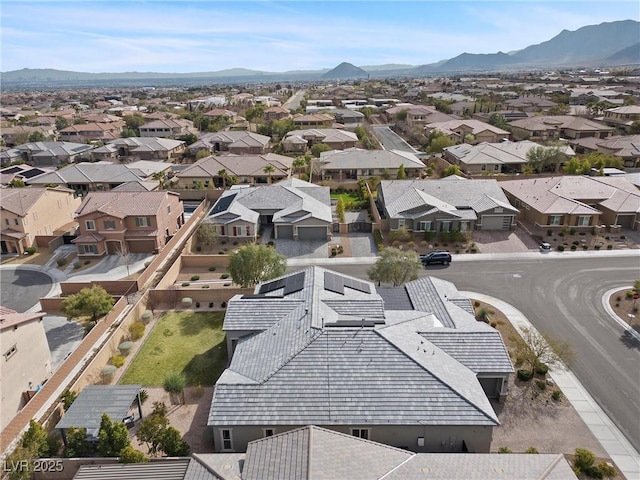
580,202
314,120
622,117
469,131
92,132
300,141
444,205
408,367
552,127
237,142
141,148
39,154
167,128
626,147
295,209
356,163
19,134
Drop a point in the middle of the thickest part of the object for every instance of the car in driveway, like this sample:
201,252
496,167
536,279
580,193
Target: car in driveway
443,258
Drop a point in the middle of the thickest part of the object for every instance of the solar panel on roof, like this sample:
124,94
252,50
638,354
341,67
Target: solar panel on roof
11,170
222,204
333,283
34,172
271,286
356,285
294,283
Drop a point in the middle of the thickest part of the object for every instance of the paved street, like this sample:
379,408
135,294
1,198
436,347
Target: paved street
563,297
390,140
22,287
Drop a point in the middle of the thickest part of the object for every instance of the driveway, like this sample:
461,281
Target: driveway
21,288
391,140
302,248
63,337
502,241
362,244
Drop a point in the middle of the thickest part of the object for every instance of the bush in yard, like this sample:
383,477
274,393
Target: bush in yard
531,450
205,286
31,250
224,276
136,330
125,348
146,316
560,248
185,284
174,384
212,269
117,361
583,460
106,373
541,384
556,395
504,450
187,301
629,294
606,470
61,262
524,375
76,266
542,368
195,278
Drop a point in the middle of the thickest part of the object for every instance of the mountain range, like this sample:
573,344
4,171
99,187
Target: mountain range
607,44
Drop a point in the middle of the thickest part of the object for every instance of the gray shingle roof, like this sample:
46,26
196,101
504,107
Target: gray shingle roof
165,470
257,313
354,158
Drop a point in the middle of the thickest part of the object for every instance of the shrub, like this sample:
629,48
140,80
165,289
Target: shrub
504,450
576,242
531,450
411,245
195,278
572,231
629,294
107,372
556,395
223,242
198,248
549,233
31,250
187,301
61,261
606,470
585,247
476,304
424,243
524,375
212,269
561,234
117,361
573,248
596,247
396,243
205,286
227,284
87,262
609,247
542,368
146,316
560,248
583,459
76,266
185,284
623,237
541,384
125,348
224,276
223,305
136,330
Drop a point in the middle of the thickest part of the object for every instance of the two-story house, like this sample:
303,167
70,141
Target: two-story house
133,222
27,213
92,132
622,117
169,128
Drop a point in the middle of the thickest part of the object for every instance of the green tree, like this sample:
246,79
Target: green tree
77,443
401,172
61,123
559,109
603,160
207,234
131,455
113,437
172,444
251,264
17,183
202,154
536,349
255,112
223,175
189,138
134,122
152,426
128,133
541,159
576,166
298,165
635,128
24,458
269,169
36,439
67,398
400,116
37,137
318,148
451,170
174,384
340,210
438,141
499,121
395,266
161,178
93,301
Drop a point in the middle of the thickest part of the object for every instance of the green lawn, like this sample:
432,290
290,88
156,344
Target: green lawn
346,197
189,342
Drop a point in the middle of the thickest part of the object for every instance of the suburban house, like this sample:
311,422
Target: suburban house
141,148
579,202
31,212
622,117
418,115
545,127
275,113
356,163
291,209
40,154
626,147
168,128
21,172
134,222
529,104
239,142
349,118
493,158
89,177
445,205
314,120
92,132
300,141
220,171
468,131
26,362
408,367
19,134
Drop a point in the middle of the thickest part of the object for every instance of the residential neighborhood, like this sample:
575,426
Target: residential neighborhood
351,275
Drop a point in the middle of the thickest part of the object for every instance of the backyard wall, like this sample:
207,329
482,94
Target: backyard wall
164,299
113,287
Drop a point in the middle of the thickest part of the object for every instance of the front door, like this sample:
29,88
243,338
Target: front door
3,247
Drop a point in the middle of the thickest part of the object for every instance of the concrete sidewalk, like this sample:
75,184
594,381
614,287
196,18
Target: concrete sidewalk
612,440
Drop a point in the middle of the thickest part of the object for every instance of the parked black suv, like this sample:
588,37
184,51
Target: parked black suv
436,257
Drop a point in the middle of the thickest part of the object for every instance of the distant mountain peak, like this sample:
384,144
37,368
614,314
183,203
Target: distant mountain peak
345,70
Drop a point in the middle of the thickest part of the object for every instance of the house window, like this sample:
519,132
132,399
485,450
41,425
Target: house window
222,230
109,224
168,208
91,248
59,203
425,226
143,221
555,219
401,223
248,231
227,439
484,167
496,167
584,220
360,433
15,220
446,226
90,224
464,226
7,222
11,352
269,432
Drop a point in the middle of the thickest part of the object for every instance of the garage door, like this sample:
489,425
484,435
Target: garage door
490,386
498,222
284,231
141,246
312,233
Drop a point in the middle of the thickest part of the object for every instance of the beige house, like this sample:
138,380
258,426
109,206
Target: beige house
26,360
469,131
34,211
622,117
168,128
313,120
276,113
300,141
134,222
552,127
92,132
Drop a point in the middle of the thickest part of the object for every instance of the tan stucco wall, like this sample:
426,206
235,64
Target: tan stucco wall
30,363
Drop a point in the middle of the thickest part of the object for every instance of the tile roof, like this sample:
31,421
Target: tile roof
174,469
557,122
357,158
123,204
476,126
11,318
147,144
238,165
20,200
82,173
507,153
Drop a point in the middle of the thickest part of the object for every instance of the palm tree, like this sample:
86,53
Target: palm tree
161,177
223,175
269,169
298,164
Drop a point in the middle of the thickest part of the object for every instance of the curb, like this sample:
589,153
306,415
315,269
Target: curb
605,303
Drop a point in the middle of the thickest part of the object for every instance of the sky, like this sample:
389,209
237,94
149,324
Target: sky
277,36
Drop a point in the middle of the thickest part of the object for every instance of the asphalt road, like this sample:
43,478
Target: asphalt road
564,299
21,288
294,101
390,140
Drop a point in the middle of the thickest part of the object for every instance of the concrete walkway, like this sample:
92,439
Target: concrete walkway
612,440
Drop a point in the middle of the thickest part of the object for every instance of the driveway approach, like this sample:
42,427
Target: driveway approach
21,288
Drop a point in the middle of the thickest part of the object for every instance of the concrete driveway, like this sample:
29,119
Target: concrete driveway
302,248
502,241
21,288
